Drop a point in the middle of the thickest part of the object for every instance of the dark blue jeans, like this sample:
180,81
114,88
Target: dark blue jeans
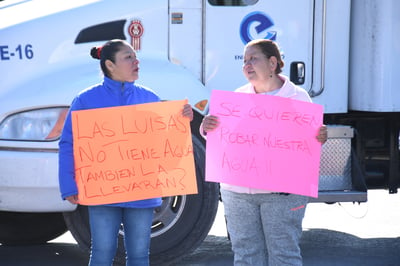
105,223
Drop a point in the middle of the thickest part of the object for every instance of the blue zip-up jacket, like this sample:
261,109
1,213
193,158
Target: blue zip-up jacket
108,94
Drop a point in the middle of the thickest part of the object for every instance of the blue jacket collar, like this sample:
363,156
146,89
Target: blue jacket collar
117,85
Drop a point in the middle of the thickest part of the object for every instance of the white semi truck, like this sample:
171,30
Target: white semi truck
345,53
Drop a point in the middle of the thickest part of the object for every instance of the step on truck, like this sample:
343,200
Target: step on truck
344,53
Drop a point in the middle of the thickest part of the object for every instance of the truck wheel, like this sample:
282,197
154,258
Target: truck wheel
180,224
18,228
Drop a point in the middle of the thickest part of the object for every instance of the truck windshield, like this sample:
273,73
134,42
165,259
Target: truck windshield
232,2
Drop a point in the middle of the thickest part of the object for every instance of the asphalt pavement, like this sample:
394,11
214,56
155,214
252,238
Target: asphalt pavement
346,234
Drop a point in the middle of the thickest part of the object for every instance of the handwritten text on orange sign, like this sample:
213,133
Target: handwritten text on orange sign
133,152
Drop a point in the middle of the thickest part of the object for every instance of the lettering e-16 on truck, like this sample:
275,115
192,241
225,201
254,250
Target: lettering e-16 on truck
343,53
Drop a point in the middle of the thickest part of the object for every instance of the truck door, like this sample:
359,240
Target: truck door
230,24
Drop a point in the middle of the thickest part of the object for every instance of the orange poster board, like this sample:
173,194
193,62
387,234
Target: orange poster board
133,152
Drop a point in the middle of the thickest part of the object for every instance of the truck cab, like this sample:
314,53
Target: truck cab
342,52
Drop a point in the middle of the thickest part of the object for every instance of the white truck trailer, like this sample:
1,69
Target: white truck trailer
345,53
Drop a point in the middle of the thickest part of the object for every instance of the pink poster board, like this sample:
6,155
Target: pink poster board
265,142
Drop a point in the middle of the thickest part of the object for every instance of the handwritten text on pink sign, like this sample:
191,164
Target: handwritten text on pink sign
264,142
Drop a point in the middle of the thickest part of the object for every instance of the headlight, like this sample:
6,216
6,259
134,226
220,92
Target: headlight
34,125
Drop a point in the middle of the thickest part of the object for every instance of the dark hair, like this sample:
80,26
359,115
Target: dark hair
269,48
107,52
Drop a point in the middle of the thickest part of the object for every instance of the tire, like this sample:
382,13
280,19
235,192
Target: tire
180,224
18,228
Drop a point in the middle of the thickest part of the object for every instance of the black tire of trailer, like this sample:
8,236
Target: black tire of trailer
17,228
172,237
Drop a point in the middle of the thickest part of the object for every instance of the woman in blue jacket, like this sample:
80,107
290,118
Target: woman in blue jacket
120,68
